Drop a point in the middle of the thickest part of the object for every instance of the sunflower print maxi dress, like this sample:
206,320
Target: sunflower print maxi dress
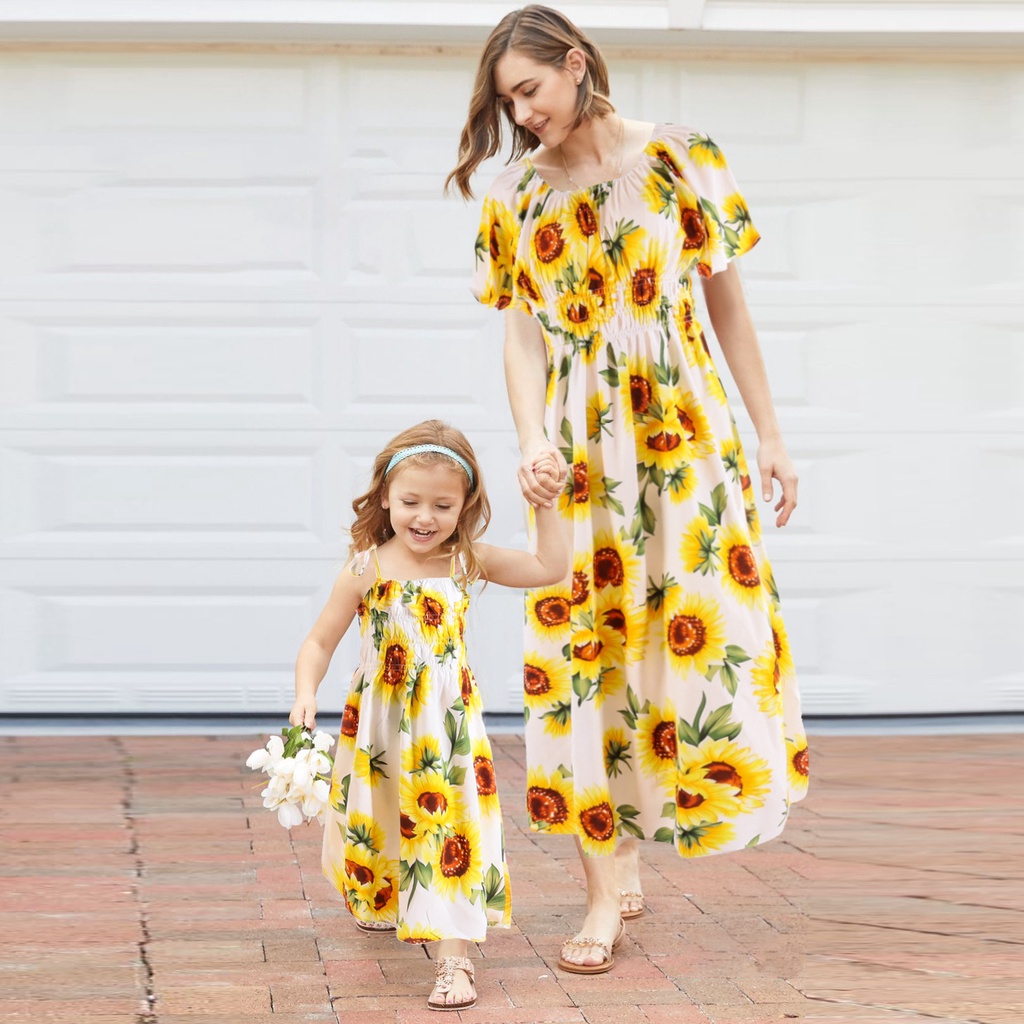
413,833
661,699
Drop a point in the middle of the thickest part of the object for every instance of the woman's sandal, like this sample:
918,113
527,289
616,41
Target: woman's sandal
374,927
444,973
632,897
605,965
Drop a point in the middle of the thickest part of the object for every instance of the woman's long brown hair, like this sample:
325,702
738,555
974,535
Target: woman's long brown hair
546,36
373,522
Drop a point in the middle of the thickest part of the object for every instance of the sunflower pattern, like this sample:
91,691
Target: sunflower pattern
413,833
659,689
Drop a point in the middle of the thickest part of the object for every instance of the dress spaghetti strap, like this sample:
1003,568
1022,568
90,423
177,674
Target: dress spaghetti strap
359,567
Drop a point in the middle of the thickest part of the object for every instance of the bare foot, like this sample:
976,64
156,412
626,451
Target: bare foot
602,922
627,876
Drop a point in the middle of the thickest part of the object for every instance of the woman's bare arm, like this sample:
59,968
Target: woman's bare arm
734,328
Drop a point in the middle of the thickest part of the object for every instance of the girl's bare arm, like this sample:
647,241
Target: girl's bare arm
315,653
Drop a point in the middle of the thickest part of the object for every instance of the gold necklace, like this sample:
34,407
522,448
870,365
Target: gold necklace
618,172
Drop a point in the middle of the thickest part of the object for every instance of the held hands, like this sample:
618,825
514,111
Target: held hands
303,712
542,474
773,463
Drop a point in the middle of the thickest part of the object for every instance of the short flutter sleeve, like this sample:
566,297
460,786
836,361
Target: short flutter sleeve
719,225
496,243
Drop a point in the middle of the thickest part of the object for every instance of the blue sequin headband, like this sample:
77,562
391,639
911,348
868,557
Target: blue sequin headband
419,449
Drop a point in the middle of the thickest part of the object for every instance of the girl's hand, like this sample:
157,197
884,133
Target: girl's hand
542,473
303,712
773,463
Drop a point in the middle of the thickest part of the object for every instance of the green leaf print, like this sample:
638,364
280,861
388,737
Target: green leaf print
457,732
611,371
581,687
736,655
616,757
456,774
658,592
665,835
494,889
607,499
560,715
615,244
718,725
719,500
626,814
725,669
729,678
707,553
648,520
566,431
666,202
375,763
754,841
564,772
345,782
633,710
361,835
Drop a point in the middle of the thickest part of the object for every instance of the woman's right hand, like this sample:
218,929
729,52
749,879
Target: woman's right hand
303,712
542,473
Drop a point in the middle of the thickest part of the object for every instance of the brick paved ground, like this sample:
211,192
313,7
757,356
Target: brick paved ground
142,882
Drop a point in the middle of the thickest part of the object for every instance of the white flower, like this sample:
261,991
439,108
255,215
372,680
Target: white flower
285,767
322,741
258,759
302,777
322,765
275,745
289,815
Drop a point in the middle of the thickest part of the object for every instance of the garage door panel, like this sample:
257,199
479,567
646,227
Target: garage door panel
118,366
102,494
161,635
172,93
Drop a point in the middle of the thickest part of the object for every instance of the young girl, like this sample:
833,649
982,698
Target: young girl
413,838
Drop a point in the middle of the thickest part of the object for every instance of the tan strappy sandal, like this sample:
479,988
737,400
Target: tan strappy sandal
605,965
636,897
374,927
444,973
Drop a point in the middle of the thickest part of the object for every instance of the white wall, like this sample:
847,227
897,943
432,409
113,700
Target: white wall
226,278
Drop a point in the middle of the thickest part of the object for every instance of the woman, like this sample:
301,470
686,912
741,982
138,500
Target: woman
660,694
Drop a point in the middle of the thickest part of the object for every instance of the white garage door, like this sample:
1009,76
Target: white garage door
225,280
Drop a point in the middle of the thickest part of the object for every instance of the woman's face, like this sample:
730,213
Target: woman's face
539,97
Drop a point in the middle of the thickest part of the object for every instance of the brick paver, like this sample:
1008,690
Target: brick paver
143,883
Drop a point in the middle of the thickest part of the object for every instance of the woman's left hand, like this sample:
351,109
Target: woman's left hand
774,463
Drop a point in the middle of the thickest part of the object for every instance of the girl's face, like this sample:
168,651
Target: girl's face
425,503
540,97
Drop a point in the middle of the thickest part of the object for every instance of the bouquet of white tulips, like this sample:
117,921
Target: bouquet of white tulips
299,767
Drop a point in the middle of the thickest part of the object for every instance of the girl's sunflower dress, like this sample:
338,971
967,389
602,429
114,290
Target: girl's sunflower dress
413,833
661,699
